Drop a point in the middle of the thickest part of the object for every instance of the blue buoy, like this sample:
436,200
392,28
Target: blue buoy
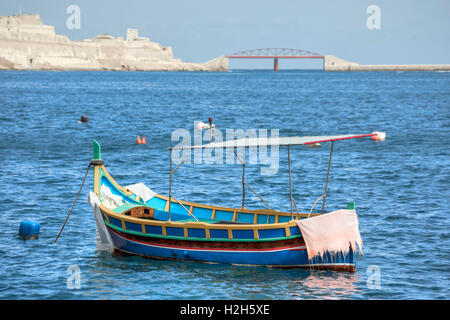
29,230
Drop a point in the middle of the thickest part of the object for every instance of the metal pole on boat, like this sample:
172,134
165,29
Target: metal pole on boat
243,178
170,180
328,174
290,182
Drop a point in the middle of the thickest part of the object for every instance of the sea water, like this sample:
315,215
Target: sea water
400,185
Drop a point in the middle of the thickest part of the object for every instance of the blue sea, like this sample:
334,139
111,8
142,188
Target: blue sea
400,185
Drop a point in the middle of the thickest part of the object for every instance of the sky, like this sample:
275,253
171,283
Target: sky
408,31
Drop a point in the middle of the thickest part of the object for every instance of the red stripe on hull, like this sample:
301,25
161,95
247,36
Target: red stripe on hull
299,245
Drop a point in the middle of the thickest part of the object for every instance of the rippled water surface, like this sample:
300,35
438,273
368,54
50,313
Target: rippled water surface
400,186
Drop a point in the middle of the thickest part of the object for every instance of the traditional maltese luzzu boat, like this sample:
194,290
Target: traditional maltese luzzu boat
135,220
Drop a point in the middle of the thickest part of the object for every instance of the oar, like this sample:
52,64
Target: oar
73,205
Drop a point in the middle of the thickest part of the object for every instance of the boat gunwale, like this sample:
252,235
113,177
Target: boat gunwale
126,192
197,225
255,227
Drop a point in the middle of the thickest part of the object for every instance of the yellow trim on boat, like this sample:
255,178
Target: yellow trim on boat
287,230
195,225
193,205
96,180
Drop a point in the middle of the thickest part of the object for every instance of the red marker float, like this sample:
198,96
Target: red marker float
141,141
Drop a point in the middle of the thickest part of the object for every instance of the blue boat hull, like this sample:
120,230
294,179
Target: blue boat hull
270,254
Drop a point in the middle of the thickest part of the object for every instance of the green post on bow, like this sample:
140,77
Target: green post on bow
351,205
97,150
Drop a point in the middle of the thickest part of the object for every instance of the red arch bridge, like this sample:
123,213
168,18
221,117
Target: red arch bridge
275,54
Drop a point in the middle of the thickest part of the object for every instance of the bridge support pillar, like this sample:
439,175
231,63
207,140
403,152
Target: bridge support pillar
275,64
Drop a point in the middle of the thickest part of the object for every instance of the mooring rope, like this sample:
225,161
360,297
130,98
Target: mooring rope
73,205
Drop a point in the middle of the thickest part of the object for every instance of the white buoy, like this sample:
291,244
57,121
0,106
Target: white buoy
379,136
211,126
202,125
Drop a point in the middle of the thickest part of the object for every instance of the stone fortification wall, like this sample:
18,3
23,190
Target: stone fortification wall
332,63
27,44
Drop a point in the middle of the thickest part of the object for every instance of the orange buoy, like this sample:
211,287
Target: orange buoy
138,140
143,140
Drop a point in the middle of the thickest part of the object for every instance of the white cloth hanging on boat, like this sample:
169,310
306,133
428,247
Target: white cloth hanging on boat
141,190
109,199
334,232
103,239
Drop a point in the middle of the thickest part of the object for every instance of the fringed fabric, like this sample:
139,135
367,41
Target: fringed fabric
334,232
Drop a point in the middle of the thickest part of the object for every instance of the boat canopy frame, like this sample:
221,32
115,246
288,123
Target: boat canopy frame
264,142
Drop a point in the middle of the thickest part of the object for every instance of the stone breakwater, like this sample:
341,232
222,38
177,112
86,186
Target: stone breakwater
332,63
27,44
